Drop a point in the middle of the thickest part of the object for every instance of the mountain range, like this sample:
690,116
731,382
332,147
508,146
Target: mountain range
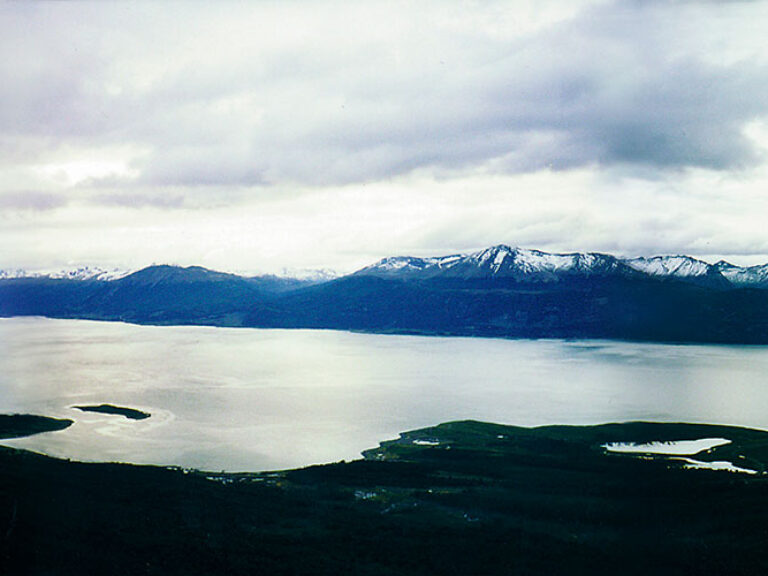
500,291
533,266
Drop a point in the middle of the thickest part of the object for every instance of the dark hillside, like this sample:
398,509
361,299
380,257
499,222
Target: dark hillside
596,296
460,498
614,307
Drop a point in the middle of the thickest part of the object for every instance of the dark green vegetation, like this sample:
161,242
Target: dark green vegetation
461,498
119,410
18,425
615,303
154,295
620,308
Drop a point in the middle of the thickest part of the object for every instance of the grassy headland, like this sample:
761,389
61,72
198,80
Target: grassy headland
18,425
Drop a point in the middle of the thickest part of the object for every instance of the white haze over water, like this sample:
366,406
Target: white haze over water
244,399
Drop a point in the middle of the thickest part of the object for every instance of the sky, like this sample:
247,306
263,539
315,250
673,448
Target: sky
265,137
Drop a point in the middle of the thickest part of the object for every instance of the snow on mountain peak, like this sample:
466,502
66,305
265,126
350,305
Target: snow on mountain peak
517,261
682,266
396,263
496,255
752,275
411,264
91,273
79,273
496,261
499,261
308,274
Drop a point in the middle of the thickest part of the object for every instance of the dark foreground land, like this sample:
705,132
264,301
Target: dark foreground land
462,498
130,413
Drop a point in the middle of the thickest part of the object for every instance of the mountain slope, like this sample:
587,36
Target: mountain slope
157,295
80,273
752,276
500,291
501,261
511,292
465,498
172,294
623,308
682,268
532,266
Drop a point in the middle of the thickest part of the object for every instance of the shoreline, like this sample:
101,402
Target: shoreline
412,333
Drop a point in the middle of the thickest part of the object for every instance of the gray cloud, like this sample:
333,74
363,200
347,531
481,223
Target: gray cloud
133,200
619,85
264,135
31,200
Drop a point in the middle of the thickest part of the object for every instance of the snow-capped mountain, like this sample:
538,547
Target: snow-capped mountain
500,261
13,273
308,274
410,266
681,266
106,275
756,276
499,291
520,264
79,273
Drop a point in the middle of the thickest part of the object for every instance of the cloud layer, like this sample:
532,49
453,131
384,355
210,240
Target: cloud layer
246,95
176,107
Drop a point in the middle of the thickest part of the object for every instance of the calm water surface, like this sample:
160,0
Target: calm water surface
242,399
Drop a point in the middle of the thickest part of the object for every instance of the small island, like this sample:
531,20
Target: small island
130,413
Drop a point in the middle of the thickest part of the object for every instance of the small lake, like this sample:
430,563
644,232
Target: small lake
245,399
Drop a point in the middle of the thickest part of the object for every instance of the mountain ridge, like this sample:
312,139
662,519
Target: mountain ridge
500,261
503,261
496,292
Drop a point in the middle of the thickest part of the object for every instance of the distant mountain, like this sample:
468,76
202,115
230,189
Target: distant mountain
79,273
501,262
163,294
752,276
682,268
315,275
513,292
532,266
157,294
499,291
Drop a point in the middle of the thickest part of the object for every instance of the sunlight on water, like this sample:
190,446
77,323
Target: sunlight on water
242,399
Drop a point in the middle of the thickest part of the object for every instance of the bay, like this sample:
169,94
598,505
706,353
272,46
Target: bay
246,399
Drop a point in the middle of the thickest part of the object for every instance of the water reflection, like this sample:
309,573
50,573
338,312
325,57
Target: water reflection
265,399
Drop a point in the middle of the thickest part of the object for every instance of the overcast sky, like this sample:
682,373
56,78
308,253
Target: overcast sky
258,136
